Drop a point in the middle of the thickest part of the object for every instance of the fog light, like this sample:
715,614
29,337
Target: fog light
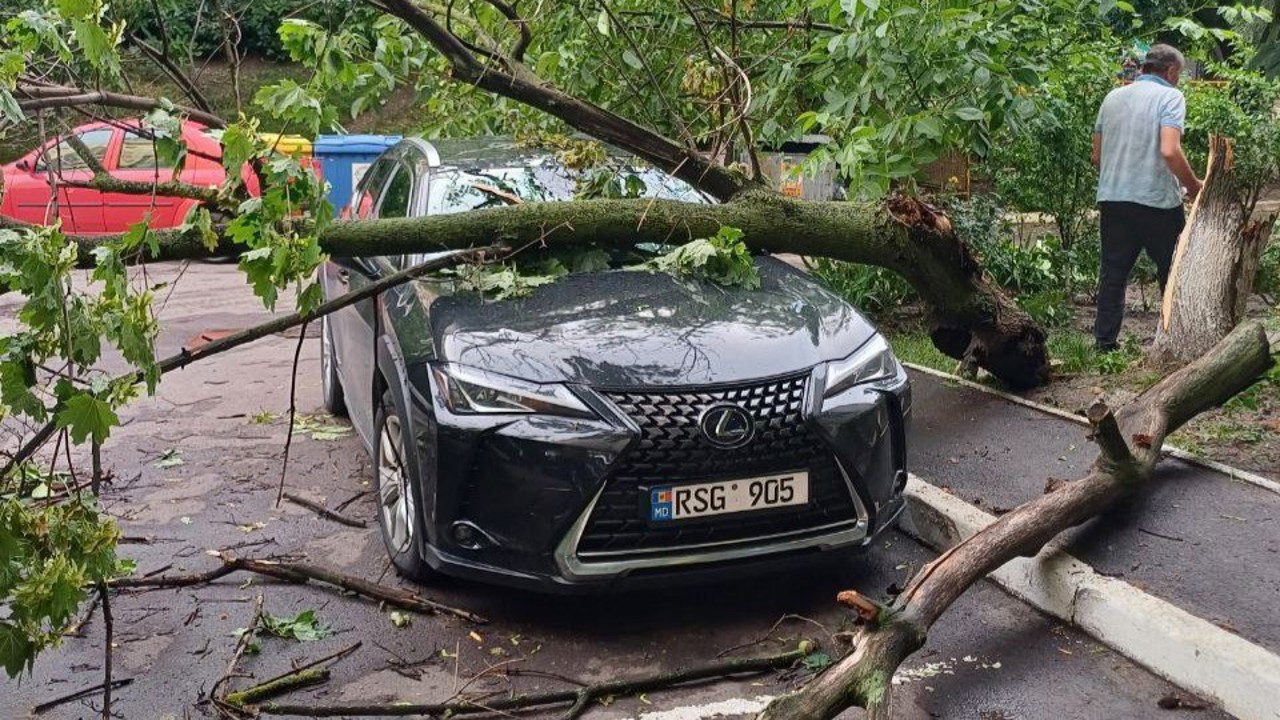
468,535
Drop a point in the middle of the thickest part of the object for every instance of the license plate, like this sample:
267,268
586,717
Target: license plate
682,502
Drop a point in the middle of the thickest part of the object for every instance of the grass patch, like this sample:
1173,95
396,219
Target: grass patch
1072,353
916,347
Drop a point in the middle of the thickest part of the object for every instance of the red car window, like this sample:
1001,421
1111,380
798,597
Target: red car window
139,153
63,157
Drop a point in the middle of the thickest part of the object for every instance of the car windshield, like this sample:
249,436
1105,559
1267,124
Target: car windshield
455,190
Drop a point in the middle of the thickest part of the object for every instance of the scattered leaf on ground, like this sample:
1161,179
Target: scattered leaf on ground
170,458
400,619
302,627
319,428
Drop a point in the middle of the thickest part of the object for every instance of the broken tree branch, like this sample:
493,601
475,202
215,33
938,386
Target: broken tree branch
863,678
31,96
300,573
574,698
1106,432
278,686
324,512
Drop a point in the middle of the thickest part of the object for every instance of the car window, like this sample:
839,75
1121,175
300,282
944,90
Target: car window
63,157
139,152
457,190
367,189
395,199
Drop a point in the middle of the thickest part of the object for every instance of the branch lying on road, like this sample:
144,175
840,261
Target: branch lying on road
301,573
301,676
578,699
864,677
324,512
187,356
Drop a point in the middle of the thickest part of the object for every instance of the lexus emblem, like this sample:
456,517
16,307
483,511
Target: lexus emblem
727,426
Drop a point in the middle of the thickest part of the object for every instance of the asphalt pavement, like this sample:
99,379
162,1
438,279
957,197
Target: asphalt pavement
1194,537
197,468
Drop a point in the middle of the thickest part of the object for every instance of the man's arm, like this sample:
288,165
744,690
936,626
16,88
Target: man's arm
1097,151
1171,151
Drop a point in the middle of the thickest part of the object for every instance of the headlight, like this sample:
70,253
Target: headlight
873,361
469,391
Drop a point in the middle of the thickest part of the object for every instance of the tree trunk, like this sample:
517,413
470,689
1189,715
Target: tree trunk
972,320
1130,444
1214,266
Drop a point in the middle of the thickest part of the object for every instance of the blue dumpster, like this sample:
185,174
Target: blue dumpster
343,160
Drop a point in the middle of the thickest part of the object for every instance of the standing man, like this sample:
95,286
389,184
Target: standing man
1137,149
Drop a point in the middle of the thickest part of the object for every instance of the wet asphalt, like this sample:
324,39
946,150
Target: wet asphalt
990,658
1195,537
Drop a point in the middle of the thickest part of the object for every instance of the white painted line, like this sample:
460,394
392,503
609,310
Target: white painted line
1234,473
731,707
1190,652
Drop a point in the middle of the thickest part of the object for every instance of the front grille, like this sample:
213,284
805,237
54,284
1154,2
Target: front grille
672,450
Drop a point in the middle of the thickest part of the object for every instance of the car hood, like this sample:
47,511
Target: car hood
628,329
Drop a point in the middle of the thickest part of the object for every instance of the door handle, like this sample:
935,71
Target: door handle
344,276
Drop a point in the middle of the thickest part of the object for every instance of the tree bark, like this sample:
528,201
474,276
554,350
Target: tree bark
1214,266
864,677
971,319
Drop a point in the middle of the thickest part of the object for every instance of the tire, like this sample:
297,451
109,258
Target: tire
398,493
335,400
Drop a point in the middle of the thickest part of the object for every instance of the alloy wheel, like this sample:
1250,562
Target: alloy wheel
395,500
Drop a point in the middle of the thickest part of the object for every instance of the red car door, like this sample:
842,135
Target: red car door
28,183
140,160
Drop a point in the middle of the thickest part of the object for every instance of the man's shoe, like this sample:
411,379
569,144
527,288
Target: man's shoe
1104,347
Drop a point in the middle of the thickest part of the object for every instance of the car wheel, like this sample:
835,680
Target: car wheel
335,400
398,487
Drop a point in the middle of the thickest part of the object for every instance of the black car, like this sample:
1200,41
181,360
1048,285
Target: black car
612,427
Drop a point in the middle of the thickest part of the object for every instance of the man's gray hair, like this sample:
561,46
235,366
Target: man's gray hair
1161,58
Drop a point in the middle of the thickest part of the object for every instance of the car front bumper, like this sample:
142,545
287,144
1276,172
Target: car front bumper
555,503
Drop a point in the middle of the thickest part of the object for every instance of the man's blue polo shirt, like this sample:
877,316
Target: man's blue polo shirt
1130,119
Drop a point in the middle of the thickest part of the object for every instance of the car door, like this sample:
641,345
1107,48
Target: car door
138,160
80,209
353,327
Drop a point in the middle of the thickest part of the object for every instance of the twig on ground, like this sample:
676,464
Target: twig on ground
293,411
242,644
109,631
50,704
324,512
345,503
301,573
578,700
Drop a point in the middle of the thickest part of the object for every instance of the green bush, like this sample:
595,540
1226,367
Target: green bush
867,287
1044,165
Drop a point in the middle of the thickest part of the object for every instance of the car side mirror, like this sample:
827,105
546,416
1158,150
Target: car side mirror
24,165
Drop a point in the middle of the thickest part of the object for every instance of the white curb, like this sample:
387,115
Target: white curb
1232,472
1192,653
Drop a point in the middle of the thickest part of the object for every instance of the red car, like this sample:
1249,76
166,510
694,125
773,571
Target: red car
127,154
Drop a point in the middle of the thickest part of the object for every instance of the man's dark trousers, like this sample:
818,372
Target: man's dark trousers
1127,229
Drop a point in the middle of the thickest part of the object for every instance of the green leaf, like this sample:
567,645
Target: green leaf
631,59
17,651
87,416
170,458
971,114
602,23
302,627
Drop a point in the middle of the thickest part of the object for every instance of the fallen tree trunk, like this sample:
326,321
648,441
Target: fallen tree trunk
971,319
1129,442
1214,266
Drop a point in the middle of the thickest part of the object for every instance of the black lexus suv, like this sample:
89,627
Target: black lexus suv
613,427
